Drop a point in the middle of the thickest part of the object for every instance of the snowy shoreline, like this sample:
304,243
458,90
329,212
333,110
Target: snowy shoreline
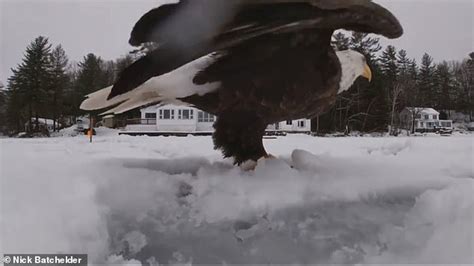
175,200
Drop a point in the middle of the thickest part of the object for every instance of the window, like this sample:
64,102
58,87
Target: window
301,123
427,117
435,117
289,122
430,124
150,115
205,117
185,114
166,114
422,124
446,124
418,116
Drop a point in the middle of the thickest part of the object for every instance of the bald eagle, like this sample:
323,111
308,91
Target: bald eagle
249,62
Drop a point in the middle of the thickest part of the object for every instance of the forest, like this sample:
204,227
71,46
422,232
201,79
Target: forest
47,85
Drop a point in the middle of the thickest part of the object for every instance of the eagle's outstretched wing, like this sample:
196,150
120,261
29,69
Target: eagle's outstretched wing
190,29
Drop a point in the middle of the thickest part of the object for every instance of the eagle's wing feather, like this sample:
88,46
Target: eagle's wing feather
156,63
236,21
168,22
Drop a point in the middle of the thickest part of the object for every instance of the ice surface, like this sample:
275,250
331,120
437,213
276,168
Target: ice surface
131,200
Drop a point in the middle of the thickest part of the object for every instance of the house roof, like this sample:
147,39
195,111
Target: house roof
149,108
423,110
154,108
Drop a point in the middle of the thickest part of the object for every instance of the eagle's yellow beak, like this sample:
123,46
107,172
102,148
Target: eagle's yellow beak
367,73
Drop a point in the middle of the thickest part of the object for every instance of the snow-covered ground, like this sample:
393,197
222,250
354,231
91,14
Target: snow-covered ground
175,200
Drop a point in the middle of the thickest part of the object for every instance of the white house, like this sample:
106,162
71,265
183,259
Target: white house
423,120
171,119
43,123
292,126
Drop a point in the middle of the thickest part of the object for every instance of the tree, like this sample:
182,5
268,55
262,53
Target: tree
59,83
358,107
464,78
394,97
122,63
407,76
372,102
426,81
92,75
31,79
389,65
444,86
411,96
404,63
366,45
3,101
15,115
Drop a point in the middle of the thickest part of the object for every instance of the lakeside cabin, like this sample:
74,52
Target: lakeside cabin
182,121
421,119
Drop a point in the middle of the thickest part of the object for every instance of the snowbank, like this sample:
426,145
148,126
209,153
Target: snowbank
72,132
126,200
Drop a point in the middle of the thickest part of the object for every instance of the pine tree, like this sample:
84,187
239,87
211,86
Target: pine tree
394,68
30,80
406,78
464,80
389,65
470,85
122,63
58,83
426,81
358,107
413,70
372,98
443,86
110,71
403,63
15,111
3,101
92,76
366,45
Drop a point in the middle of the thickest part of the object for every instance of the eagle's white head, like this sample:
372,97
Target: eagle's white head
353,65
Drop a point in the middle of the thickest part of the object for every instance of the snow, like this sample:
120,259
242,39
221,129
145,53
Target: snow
131,200
73,132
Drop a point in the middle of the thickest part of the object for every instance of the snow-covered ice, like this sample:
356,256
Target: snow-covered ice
131,200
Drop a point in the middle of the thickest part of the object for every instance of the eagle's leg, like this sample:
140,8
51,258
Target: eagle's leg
239,135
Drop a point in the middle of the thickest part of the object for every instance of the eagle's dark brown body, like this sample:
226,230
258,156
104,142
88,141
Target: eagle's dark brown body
265,82
273,62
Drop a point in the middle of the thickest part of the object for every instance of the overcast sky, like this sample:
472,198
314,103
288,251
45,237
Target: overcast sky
443,28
